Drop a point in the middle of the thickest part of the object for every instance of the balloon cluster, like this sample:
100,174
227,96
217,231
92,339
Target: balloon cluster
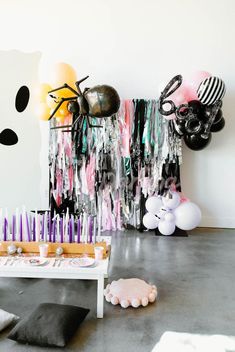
167,212
46,104
194,106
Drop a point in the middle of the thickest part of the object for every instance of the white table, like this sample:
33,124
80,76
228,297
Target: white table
65,271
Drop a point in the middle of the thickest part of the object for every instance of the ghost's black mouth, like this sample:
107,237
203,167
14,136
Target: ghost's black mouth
8,137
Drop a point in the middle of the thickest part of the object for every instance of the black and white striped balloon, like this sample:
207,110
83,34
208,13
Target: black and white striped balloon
211,90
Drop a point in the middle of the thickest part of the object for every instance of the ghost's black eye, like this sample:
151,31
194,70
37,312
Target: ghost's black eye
22,98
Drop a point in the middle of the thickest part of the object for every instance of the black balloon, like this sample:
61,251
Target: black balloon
196,141
218,126
218,116
197,109
193,126
208,111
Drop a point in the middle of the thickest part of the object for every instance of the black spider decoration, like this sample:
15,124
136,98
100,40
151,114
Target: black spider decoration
99,101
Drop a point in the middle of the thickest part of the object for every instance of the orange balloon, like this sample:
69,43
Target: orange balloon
42,92
62,111
65,93
58,95
63,73
53,102
42,111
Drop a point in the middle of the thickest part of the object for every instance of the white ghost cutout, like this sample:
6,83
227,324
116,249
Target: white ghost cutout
20,140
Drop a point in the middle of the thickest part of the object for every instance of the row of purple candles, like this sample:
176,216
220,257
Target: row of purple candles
26,226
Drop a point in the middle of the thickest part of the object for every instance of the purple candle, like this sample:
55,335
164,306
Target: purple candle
53,230
61,230
49,231
90,228
21,228
78,230
34,229
43,219
13,227
27,224
45,226
72,227
70,231
5,230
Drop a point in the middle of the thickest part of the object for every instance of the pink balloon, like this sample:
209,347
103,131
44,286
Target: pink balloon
191,93
199,76
179,96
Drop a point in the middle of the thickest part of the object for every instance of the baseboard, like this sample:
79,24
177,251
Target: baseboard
228,223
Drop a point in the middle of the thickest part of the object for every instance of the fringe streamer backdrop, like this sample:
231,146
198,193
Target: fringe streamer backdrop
109,172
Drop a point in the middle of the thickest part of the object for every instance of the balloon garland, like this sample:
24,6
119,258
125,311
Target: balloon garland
106,172
168,211
194,108
96,180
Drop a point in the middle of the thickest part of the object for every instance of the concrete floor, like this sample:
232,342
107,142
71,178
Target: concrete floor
195,277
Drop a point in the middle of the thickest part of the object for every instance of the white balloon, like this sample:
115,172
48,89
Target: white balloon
169,216
173,202
162,212
153,204
150,221
166,228
187,216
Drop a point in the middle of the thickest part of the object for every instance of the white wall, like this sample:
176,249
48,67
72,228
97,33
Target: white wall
134,45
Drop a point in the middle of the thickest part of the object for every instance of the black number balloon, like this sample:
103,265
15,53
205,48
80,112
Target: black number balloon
198,118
